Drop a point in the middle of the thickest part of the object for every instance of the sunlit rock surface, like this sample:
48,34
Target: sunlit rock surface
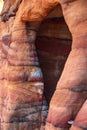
1,5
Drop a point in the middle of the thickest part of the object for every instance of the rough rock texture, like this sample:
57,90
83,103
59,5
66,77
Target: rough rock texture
22,104
10,8
80,122
53,47
71,91
3,66
54,28
29,11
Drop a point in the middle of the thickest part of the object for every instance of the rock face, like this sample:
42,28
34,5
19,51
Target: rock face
22,104
53,47
71,91
1,5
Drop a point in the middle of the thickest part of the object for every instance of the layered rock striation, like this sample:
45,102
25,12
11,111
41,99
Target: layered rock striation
22,104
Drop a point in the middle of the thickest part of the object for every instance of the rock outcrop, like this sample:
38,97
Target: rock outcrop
27,109
22,104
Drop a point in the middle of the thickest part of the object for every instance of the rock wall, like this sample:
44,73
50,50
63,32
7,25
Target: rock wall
53,46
